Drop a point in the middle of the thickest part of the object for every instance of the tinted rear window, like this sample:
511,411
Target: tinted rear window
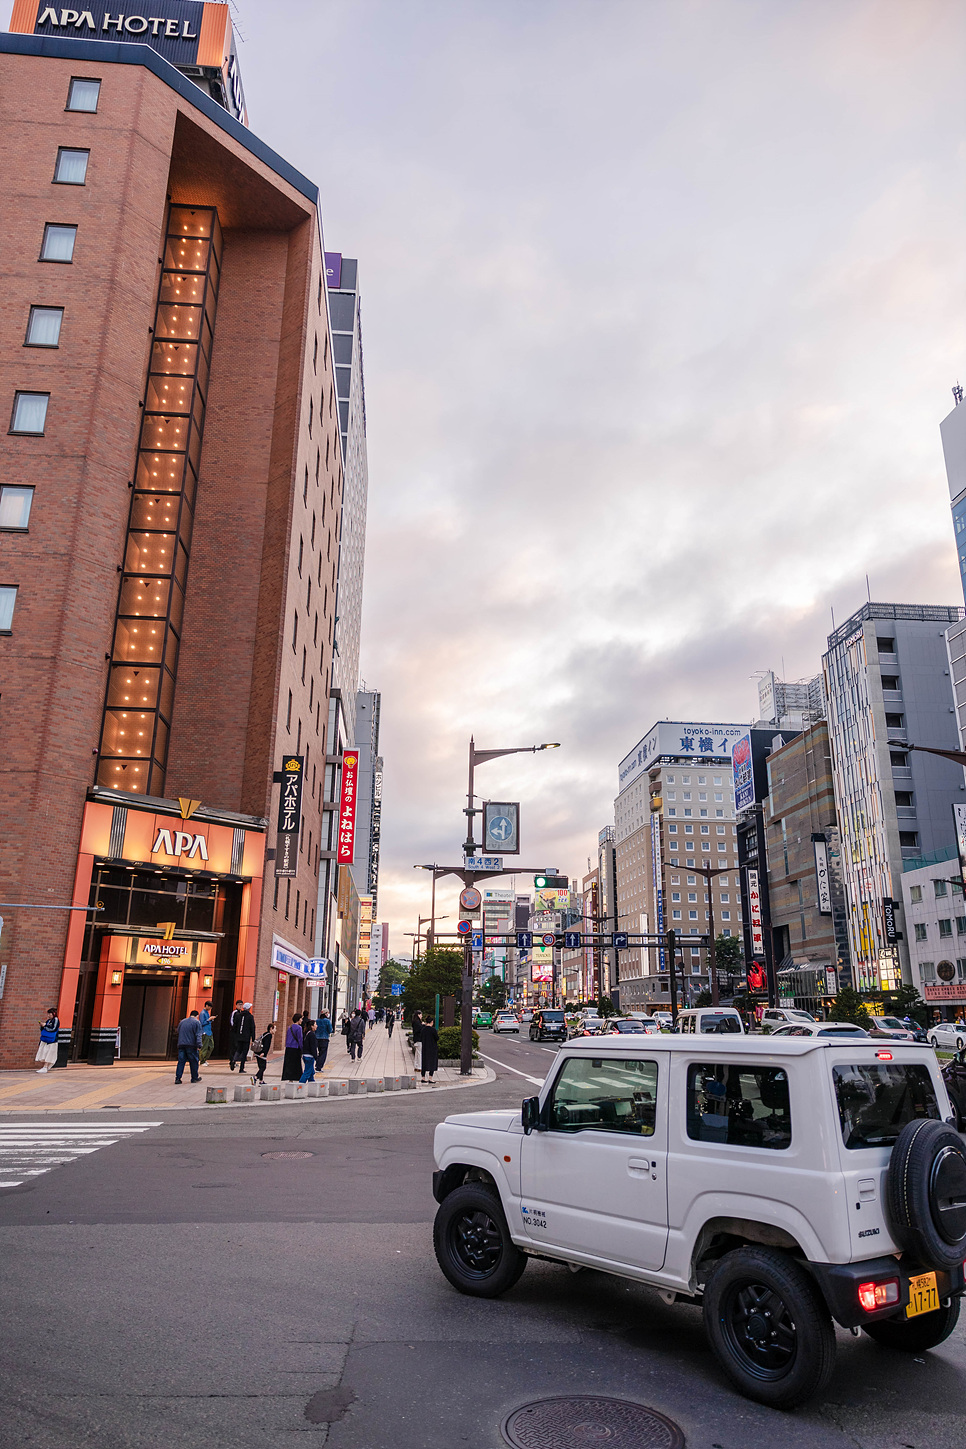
553,1015
876,1101
720,1023
746,1106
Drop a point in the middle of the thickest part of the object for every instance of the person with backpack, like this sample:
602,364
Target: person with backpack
261,1049
357,1033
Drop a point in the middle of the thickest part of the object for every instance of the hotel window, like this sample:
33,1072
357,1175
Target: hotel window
672,811
719,813
675,915
43,327
15,506
689,829
58,243
288,713
724,896
718,797
71,167
29,413
82,94
939,886
726,915
961,925
686,795
295,633
945,927
8,597
301,548
692,915
702,794
920,931
675,895
706,830
692,896
702,813
687,812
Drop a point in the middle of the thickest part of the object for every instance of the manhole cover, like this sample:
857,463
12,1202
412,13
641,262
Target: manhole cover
585,1420
274,1156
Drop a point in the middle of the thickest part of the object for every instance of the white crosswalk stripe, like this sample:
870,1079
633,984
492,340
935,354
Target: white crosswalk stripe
31,1149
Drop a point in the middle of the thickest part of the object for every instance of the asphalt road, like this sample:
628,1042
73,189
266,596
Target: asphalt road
181,1288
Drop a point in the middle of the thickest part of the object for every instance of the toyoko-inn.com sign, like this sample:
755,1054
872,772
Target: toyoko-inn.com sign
705,744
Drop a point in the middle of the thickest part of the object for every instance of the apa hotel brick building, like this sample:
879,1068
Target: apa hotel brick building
169,534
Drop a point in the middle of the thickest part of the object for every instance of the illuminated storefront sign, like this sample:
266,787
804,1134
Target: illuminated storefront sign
347,808
289,816
754,914
178,842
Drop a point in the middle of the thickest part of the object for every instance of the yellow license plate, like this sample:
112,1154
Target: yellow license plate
923,1295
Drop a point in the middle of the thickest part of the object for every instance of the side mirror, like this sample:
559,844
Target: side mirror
530,1114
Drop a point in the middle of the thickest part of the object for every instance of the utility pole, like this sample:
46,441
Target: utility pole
672,952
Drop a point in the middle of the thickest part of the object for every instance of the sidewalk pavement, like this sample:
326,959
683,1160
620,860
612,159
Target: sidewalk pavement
135,1088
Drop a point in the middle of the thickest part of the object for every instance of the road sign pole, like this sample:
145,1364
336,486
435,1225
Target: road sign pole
466,1010
672,950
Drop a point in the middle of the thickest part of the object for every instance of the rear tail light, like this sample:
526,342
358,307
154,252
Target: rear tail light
884,1056
878,1295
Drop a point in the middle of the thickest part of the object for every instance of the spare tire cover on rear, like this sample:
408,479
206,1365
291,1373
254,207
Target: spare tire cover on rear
926,1193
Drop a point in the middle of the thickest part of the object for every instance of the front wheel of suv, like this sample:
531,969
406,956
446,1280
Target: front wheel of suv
769,1327
473,1244
915,1335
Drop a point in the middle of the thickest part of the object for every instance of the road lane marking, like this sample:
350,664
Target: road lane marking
506,1066
31,1150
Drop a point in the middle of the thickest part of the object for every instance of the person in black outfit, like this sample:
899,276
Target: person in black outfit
233,1034
390,1021
244,1035
429,1046
261,1048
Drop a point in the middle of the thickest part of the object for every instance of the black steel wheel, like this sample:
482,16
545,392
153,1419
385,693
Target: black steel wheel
473,1244
916,1335
769,1327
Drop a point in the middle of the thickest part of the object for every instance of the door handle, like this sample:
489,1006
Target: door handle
638,1164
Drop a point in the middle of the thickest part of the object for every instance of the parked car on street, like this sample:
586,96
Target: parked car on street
774,1016
588,1026
622,1025
784,1184
948,1034
506,1021
822,1028
548,1026
891,1026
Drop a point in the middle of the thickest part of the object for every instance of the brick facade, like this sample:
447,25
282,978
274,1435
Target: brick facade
254,515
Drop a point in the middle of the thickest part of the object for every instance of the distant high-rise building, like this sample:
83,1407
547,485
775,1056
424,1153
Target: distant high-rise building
887,685
365,869
790,706
675,808
953,432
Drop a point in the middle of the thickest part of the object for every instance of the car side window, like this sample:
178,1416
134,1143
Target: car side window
745,1106
606,1095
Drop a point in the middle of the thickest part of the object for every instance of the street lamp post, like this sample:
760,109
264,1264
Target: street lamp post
709,875
477,757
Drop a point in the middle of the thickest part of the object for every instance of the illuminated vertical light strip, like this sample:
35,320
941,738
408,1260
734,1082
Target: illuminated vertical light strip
147,629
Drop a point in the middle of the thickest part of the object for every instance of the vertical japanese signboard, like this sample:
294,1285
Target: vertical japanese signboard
959,823
744,777
347,808
822,881
289,815
754,914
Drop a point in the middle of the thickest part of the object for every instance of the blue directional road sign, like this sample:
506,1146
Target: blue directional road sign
464,927
571,939
524,940
620,940
396,988
476,940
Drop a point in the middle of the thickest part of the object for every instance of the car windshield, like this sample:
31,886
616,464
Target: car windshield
877,1100
893,1022
627,1026
720,1023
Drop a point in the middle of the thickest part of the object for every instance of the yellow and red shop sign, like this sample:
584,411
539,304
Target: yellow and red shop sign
347,807
151,838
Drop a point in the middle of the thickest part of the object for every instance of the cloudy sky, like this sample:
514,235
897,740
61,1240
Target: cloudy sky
662,305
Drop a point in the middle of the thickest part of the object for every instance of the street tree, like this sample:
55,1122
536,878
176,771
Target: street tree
437,973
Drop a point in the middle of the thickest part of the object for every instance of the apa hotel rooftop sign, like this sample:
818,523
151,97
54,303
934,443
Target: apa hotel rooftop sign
193,35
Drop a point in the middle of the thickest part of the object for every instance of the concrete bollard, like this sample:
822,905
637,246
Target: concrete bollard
407,1084
216,1094
390,1084
244,1092
356,1086
338,1089
313,1089
375,1084
271,1091
301,1091
288,1089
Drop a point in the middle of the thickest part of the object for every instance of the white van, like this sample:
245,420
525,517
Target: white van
711,1020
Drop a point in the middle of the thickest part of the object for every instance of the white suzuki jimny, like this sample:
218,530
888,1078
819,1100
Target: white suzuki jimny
781,1183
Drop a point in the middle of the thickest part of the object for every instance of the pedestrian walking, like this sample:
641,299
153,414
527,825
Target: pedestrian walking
261,1048
233,1034
372,1017
310,1045
207,1032
344,1026
390,1022
429,1053
323,1031
244,1035
417,1026
189,1047
47,1050
357,1034
292,1061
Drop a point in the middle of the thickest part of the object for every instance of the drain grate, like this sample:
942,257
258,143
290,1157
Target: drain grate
581,1421
274,1156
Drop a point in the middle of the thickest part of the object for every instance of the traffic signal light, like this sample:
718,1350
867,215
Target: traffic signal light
551,882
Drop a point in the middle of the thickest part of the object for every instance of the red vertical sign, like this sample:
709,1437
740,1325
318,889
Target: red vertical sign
347,808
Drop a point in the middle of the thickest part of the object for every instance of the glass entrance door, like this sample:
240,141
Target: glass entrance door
146,1008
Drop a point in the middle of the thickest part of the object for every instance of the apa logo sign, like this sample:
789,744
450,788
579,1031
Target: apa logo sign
180,842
